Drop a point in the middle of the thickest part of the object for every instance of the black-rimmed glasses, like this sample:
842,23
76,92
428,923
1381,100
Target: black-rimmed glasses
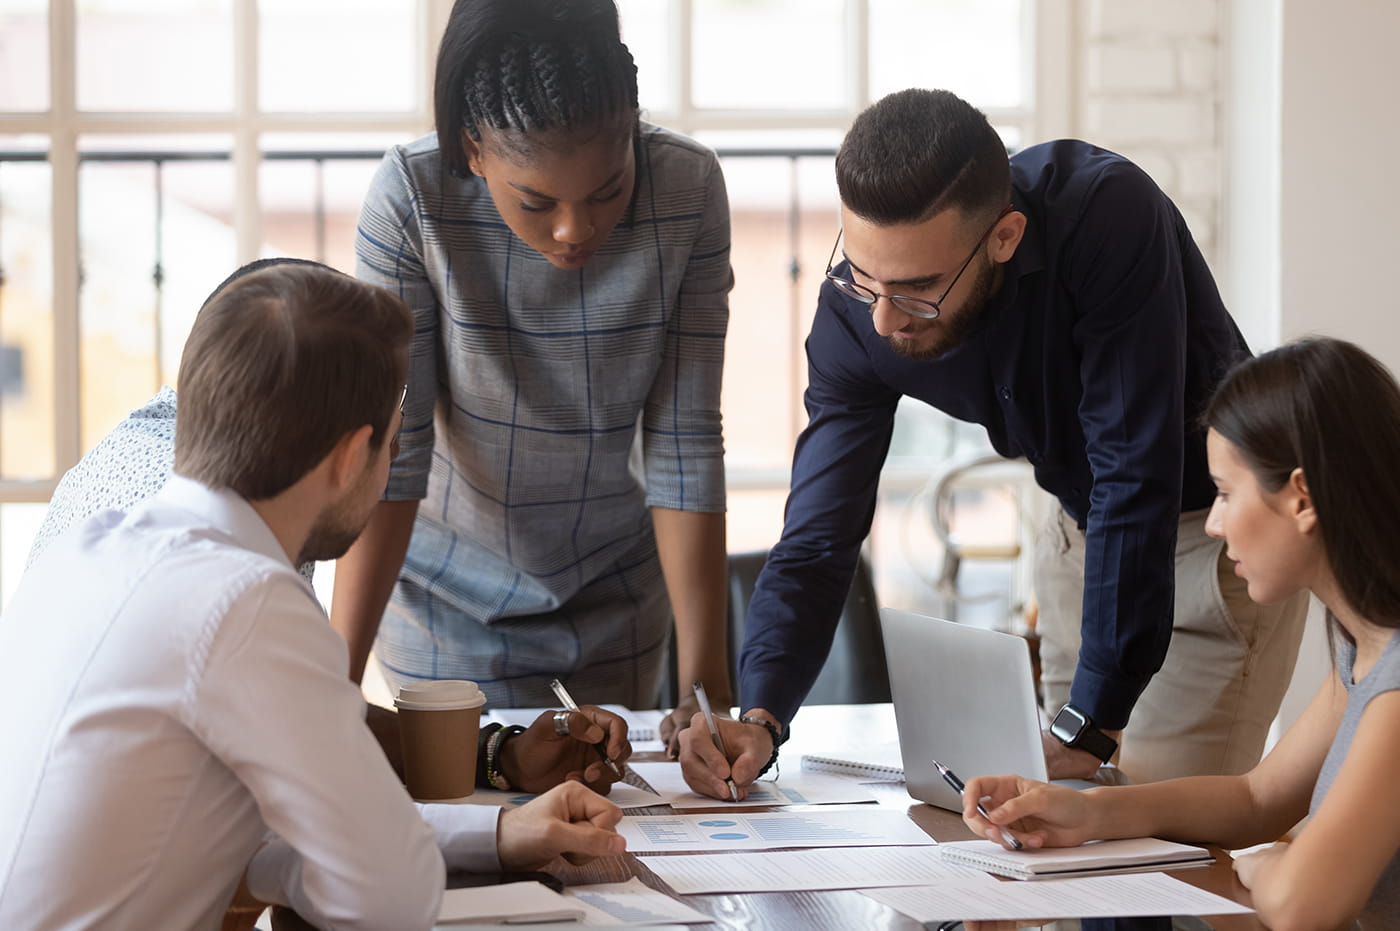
913,306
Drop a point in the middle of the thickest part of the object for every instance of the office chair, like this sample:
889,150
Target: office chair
854,673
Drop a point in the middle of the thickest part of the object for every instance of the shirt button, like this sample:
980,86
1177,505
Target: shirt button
1006,394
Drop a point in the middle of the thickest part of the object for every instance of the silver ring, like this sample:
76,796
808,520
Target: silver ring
561,723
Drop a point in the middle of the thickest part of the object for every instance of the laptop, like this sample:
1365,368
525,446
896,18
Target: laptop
962,695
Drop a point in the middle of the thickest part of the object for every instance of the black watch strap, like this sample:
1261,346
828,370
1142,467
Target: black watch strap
1095,741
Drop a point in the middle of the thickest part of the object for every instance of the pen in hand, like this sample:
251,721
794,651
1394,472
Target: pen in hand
601,746
951,778
704,701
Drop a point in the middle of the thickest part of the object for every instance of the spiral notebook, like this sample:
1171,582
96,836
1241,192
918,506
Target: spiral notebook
1096,858
881,763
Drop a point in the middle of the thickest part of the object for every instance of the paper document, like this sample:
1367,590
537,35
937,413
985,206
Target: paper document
632,902
1132,896
799,788
508,903
870,827
1129,855
621,794
808,870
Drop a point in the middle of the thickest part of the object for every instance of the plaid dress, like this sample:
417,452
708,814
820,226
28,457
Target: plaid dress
547,411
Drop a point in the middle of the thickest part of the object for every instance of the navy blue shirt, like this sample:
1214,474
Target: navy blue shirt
1093,360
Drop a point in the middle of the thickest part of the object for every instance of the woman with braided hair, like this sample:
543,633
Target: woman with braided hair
559,495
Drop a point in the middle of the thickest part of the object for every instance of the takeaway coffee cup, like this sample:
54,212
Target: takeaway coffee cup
438,725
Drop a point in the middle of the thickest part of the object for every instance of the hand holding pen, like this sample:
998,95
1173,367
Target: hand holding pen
561,725
951,778
704,701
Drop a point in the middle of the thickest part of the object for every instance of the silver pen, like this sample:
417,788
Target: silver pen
601,746
704,701
951,778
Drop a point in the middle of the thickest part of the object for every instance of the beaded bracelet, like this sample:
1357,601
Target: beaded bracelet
772,730
494,776
483,739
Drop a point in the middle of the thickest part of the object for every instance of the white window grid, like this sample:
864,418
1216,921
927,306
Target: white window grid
1050,29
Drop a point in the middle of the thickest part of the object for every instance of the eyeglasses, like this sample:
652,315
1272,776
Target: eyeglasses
394,443
913,306
403,396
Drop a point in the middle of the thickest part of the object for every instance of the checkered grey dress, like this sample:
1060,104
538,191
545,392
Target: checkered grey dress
547,411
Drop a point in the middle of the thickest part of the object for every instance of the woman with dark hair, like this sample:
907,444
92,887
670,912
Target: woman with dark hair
560,491
1303,446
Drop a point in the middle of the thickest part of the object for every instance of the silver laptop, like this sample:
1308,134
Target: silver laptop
964,696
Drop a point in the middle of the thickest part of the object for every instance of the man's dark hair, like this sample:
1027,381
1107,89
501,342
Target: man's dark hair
919,152
281,363
530,66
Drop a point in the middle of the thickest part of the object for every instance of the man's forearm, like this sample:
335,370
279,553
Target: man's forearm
365,576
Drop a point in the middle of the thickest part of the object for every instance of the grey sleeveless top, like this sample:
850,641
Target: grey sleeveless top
1383,908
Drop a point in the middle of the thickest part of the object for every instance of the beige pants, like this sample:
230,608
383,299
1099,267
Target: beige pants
1208,710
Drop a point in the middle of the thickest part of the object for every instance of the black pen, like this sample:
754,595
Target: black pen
951,778
602,745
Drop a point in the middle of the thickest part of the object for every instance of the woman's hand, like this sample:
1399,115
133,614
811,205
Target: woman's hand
1040,814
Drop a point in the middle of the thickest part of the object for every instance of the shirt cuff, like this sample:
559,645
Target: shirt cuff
466,835
1107,700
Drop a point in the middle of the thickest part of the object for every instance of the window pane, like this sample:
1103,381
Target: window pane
358,56
162,55
24,55
975,48
770,313
291,188
26,314
739,65
131,330
646,28
18,525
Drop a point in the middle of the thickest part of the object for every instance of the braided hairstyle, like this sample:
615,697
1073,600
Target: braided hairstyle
529,67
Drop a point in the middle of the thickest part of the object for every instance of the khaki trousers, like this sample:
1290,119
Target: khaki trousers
1208,710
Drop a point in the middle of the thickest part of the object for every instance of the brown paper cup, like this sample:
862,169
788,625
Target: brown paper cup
438,726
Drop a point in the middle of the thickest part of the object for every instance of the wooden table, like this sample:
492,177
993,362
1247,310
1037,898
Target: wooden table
821,728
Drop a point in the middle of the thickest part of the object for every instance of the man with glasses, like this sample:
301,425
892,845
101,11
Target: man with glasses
1057,299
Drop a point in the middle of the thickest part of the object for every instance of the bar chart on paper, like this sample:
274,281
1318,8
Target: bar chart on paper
870,827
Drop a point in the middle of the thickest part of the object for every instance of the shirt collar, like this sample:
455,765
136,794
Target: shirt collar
223,510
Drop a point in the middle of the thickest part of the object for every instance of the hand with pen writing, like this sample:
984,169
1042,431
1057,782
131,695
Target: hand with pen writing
547,754
748,747
1042,815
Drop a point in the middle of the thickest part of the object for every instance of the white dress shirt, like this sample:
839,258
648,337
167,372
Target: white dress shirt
179,693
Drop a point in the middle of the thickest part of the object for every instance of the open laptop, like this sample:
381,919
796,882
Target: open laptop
962,695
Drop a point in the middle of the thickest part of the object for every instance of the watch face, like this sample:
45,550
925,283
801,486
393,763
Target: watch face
1068,725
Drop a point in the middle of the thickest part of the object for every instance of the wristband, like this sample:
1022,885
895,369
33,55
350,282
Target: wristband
772,730
494,777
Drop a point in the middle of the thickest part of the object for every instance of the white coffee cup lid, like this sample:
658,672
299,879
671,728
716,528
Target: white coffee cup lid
441,695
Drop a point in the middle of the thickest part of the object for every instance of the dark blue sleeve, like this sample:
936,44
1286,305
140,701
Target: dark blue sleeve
1125,271
798,598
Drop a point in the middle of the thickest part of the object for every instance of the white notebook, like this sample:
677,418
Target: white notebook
882,763
1133,855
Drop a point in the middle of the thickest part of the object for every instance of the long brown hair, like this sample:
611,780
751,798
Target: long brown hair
1330,408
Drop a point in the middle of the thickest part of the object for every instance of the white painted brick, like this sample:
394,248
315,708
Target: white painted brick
1198,66
1159,166
1119,121
1200,220
1153,17
1198,174
1131,68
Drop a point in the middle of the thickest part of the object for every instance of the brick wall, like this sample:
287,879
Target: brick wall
1150,89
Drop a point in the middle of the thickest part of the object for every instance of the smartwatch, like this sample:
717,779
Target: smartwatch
1075,729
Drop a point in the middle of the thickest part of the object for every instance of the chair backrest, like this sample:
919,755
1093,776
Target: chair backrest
855,672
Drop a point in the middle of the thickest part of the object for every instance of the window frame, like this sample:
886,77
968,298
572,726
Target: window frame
1051,27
